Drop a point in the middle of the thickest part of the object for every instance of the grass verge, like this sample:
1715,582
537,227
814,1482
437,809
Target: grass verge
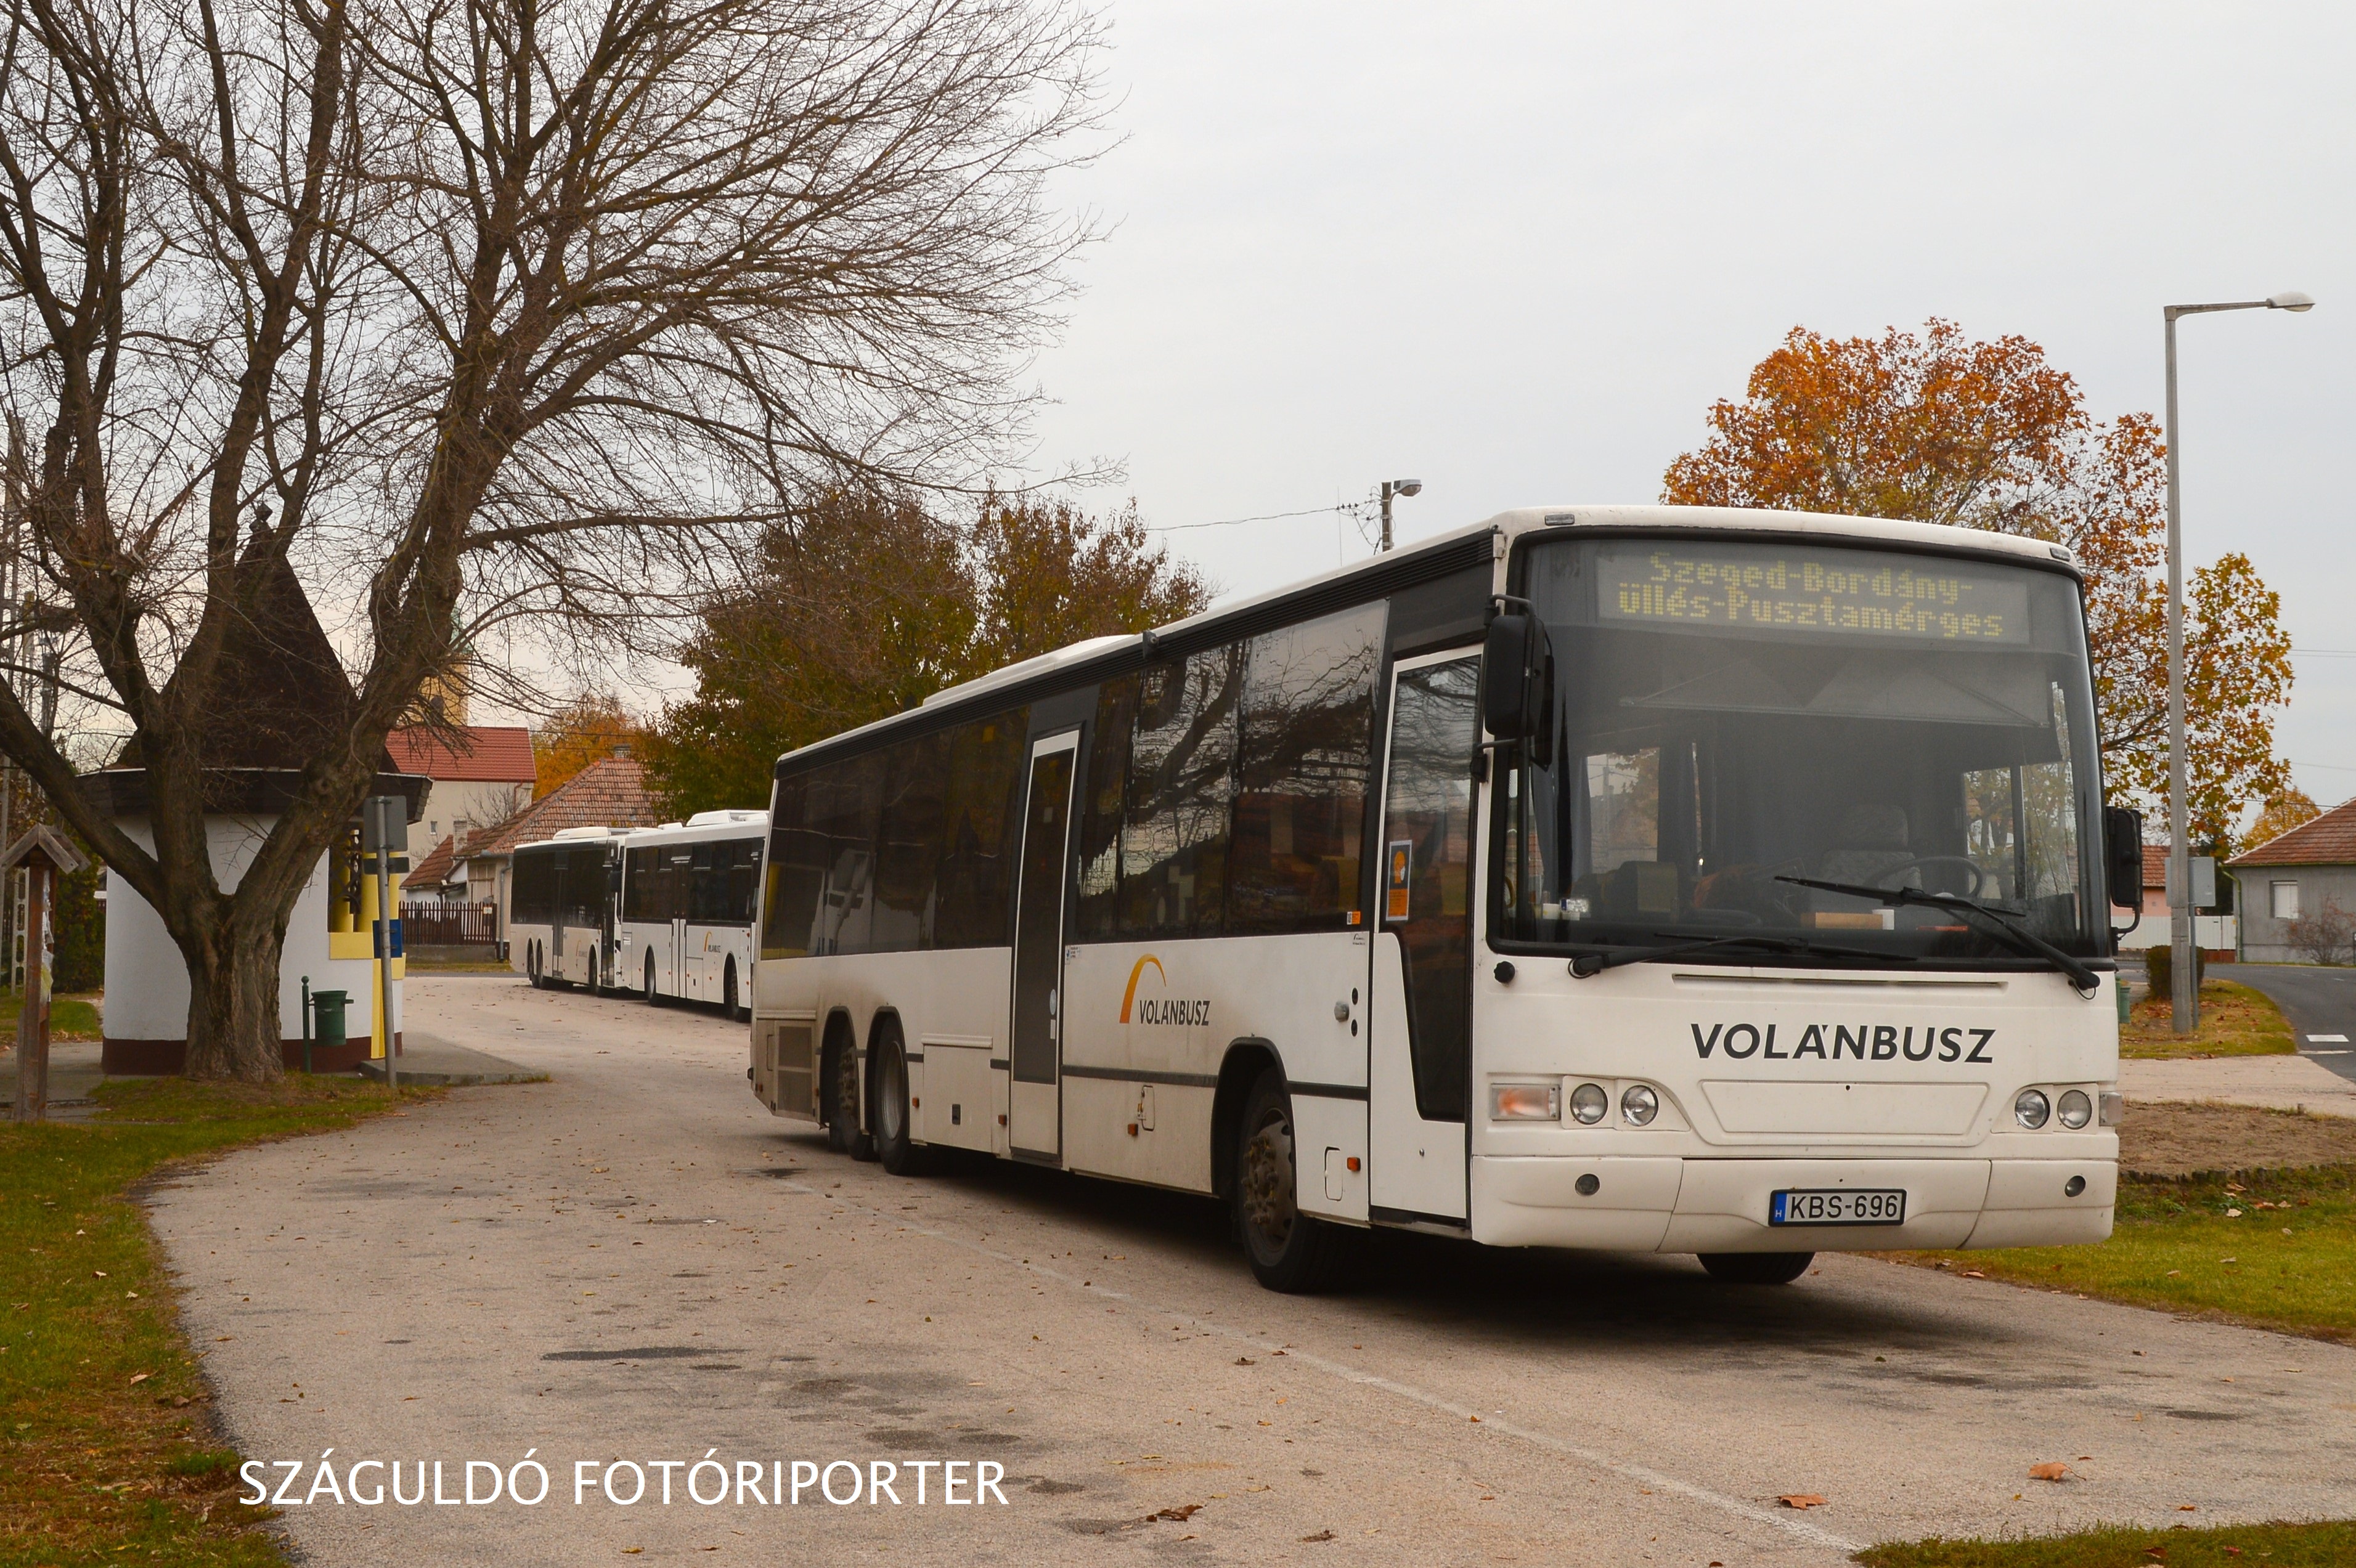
70,1017
2274,1249
2235,1021
106,1453
2329,1546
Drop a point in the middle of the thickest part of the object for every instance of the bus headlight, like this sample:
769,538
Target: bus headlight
1638,1104
2073,1110
1588,1103
1525,1102
2030,1108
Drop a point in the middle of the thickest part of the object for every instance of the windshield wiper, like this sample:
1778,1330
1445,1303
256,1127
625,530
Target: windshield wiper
2022,939
1597,960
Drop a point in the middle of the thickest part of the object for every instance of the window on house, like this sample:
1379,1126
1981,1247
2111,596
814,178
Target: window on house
2284,903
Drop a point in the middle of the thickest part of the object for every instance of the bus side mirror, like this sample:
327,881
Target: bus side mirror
2123,854
1517,679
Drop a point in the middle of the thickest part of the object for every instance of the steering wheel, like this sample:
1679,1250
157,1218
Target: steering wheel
1979,877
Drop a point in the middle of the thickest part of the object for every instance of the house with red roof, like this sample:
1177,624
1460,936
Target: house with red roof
2304,872
482,774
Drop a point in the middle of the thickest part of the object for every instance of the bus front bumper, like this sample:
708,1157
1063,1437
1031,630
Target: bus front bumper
1674,1205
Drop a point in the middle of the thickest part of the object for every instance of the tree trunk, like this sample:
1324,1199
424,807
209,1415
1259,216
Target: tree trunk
234,1029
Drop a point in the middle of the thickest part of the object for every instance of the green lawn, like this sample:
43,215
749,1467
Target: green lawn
70,1017
2275,1249
105,1454
2276,1545
2235,1021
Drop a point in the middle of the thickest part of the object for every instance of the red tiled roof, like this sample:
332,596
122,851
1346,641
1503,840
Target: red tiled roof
495,753
2155,865
434,870
2326,841
609,793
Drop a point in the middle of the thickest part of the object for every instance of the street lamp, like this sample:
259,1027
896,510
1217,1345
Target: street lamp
2184,995
1415,487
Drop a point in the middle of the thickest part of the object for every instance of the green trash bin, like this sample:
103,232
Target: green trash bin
328,1007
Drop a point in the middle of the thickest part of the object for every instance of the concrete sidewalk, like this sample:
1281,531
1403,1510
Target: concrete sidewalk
2277,1083
430,1060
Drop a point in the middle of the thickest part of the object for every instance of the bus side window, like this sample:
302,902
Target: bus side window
1181,780
795,875
909,851
985,768
1098,918
1300,817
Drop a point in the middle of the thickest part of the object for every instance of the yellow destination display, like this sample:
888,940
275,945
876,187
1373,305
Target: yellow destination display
1842,594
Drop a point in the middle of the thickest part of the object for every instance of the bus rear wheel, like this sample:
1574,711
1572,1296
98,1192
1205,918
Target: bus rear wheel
1288,1251
654,997
728,994
1756,1268
532,966
893,1124
842,1130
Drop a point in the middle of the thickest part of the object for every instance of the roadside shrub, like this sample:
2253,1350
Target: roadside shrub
2160,964
2325,937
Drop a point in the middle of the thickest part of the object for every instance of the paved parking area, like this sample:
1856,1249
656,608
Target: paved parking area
635,1261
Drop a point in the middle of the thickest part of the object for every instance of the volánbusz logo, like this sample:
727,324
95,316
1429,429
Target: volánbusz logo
1831,1043
1183,1013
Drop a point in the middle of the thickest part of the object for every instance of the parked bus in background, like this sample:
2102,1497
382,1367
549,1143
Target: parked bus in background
560,907
690,892
1716,882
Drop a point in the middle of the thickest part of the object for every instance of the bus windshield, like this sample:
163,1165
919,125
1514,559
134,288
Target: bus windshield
1728,716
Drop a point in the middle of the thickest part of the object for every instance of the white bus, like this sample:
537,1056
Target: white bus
1710,881
690,892
560,900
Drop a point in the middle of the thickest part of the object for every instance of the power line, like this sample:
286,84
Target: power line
1270,517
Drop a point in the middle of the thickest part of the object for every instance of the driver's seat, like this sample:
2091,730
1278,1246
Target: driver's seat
1872,841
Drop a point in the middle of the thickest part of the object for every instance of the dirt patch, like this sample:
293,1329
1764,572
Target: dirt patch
2161,1138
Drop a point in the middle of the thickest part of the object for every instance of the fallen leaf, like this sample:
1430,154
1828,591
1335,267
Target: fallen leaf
1179,1514
142,1378
1974,1273
2188,1508
1245,1362
1321,1535
2232,1214
2052,1470
1801,1500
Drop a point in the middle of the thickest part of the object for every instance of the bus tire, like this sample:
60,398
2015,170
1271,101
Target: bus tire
654,997
893,1124
843,1134
728,994
592,983
1756,1268
1288,1251
531,965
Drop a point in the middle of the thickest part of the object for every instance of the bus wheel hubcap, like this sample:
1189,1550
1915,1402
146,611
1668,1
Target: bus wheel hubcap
1267,1181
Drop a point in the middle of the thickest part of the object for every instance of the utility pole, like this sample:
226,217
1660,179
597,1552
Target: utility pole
1396,488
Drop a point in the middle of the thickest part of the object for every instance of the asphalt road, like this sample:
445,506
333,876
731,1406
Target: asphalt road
2319,1003
636,1262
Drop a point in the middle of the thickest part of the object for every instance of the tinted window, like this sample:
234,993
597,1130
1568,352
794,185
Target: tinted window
531,898
984,767
1301,806
583,888
742,903
844,798
640,893
1181,778
1101,794
908,855
796,874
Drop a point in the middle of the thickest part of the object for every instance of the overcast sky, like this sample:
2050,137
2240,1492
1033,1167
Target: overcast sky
1517,251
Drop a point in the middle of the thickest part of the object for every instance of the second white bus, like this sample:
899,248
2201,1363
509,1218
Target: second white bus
690,892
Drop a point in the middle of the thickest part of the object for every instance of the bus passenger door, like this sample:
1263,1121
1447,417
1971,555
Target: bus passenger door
1419,1067
1035,1052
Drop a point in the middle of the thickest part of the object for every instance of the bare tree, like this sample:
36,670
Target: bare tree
483,313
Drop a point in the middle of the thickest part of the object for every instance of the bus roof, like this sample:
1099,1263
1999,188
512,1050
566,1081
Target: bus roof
1446,548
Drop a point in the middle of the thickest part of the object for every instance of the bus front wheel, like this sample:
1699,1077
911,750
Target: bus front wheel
1288,1251
654,997
1756,1268
728,994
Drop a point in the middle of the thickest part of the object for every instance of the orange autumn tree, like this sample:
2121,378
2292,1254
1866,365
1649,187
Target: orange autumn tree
1942,428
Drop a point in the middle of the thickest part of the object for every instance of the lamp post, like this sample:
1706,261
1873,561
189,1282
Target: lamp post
2184,994
1396,488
